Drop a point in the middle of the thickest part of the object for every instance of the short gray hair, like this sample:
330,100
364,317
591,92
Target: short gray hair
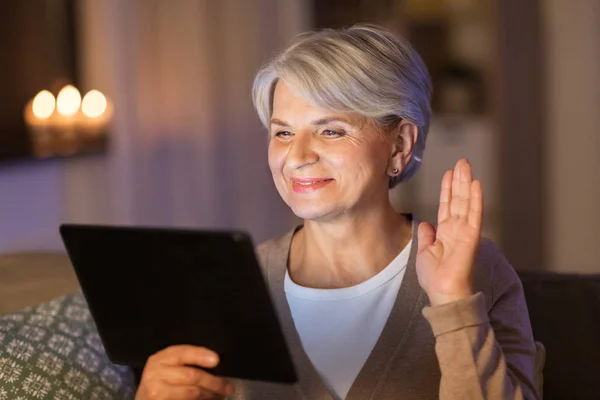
364,69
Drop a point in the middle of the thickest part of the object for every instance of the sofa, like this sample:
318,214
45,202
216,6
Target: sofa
565,317
52,350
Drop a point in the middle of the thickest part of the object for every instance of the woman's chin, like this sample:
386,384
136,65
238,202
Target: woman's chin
312,213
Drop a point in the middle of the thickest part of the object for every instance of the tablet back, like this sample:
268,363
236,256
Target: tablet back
149,288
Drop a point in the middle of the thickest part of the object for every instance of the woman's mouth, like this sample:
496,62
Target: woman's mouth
308,185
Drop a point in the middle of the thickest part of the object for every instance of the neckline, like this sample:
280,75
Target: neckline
395,267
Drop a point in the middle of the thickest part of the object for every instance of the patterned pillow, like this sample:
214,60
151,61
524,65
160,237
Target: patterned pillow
52,351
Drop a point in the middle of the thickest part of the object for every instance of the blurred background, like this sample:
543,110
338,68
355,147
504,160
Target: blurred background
173,140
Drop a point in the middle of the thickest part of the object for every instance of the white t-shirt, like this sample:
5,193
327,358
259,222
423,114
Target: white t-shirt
339,327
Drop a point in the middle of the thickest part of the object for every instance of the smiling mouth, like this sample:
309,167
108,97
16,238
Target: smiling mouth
308,183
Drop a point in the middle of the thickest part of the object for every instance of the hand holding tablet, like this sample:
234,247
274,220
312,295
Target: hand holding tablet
168,375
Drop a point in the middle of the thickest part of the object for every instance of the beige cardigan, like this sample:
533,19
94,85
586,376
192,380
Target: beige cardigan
478,348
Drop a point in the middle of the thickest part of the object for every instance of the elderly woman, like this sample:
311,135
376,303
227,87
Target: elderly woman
373,303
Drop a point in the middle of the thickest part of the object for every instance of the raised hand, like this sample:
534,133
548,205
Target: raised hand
446,256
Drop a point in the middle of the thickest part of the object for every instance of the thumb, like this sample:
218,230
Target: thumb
426,235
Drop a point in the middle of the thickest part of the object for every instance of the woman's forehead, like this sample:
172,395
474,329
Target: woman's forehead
288,104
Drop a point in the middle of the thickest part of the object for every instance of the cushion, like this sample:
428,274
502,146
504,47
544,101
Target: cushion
53,351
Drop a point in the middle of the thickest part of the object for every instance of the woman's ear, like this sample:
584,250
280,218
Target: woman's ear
404,137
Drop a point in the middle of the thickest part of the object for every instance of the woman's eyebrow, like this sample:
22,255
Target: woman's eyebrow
275,121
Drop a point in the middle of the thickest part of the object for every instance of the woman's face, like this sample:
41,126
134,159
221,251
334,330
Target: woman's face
325,165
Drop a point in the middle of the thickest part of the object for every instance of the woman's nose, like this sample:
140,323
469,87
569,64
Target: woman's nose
302,152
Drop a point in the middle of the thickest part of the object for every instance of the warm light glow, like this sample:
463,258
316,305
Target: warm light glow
94,104
43,104
68,100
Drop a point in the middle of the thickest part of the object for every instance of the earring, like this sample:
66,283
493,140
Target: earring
395,171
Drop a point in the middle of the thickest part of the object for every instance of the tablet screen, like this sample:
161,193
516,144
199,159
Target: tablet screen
150,288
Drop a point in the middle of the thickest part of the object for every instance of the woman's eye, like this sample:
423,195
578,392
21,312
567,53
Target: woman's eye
329,132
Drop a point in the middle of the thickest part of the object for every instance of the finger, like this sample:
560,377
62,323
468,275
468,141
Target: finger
461,195
445,196
476,210
185,376
466,181
456,178
426,235
187,355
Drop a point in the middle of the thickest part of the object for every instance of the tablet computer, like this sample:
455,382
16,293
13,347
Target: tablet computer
150,288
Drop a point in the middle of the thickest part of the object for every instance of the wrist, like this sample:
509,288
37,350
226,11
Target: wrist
438,299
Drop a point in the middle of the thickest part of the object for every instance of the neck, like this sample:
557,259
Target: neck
349,250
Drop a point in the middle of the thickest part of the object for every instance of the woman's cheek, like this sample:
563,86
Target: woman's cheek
276,157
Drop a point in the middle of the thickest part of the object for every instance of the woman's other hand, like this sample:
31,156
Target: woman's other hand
169,374
446,256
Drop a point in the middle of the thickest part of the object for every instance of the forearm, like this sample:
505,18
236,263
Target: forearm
472,362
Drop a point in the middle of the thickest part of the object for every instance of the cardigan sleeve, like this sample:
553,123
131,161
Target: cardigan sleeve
486,353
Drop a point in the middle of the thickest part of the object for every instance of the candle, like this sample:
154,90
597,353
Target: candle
62,125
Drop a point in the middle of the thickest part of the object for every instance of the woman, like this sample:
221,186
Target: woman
374,304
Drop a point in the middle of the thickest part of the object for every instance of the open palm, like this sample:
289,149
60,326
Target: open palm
446,255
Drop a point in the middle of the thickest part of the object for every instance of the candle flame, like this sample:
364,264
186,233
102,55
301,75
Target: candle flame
43,104
68,100
94,104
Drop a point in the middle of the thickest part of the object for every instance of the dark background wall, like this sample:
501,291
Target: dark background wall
37,48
